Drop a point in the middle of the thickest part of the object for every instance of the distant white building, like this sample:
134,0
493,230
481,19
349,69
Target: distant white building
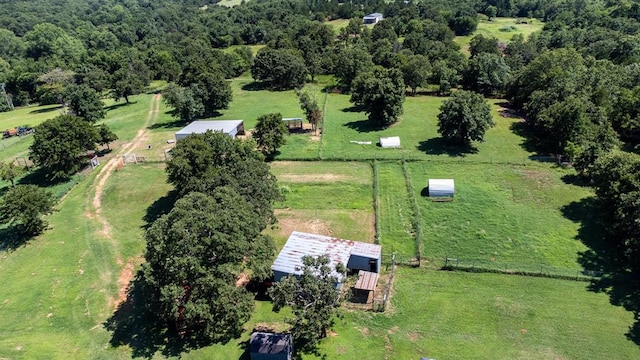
228,127
372,18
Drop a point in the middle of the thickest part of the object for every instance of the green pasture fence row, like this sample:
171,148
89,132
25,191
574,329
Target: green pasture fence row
416,220
412,157
536,270
321,125
376,202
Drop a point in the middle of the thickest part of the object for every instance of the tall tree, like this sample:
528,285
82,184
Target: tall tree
106,136
416,72
207,161
279,68
194,255
350,62
312,296
9,172
59,145
270,133
312,111
464,117
24,206
487,74
381,93
84,102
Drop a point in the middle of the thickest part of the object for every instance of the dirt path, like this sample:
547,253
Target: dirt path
100,181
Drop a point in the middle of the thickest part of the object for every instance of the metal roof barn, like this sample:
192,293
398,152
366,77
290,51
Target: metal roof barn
372,18
270,346
390,142
441,188
229,127
340,251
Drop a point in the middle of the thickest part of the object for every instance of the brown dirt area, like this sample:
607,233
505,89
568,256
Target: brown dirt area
310,178
288,225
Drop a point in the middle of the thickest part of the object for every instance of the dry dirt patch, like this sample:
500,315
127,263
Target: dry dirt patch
288,222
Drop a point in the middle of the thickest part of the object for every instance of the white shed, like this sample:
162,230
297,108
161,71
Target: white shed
390,142
372,18
229,127
441,188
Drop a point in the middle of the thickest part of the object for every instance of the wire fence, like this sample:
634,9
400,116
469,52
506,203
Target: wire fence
453,263
376,202
416,218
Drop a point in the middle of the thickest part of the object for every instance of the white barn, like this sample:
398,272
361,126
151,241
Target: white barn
372,18
390,142
228,127
441,188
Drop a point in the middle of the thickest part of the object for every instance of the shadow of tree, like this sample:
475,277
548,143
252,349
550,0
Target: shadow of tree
353,109
39,177
605,259
362,126
11,238
42,111
160,207
255,86
438,146
134,324
118,105
168,125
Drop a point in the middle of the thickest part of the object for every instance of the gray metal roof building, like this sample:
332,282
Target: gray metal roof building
372,18
270,346
353,255
229,127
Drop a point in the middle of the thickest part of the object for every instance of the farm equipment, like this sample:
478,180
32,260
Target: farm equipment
19,131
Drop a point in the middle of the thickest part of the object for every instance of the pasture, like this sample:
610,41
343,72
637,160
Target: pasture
64,290
502,29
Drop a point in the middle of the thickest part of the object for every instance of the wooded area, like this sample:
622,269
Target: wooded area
576,83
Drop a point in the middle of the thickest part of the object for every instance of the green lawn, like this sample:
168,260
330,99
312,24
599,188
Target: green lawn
452,315
417,129
502,29
501,213
330,198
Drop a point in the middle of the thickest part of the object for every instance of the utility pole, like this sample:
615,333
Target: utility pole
6,98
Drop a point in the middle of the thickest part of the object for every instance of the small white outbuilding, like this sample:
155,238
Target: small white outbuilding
390,142
441,188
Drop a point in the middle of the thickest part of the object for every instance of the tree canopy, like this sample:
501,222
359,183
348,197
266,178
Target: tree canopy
465,117
194,255
204,162
60,144
270,133
279,68
312,296
24,206
381,93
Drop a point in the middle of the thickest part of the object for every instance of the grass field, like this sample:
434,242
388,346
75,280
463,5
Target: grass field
417,129
328,198
500,213
502,29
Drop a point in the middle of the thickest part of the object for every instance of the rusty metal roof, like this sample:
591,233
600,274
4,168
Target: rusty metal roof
299,244
366,280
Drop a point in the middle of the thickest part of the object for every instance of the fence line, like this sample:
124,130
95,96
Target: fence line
376,202
417,216
444,262
321,125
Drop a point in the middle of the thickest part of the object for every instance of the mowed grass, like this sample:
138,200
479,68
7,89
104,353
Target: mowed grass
502,29
250,102
500,213
329,198
418,132
396,230
61,286
452,315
